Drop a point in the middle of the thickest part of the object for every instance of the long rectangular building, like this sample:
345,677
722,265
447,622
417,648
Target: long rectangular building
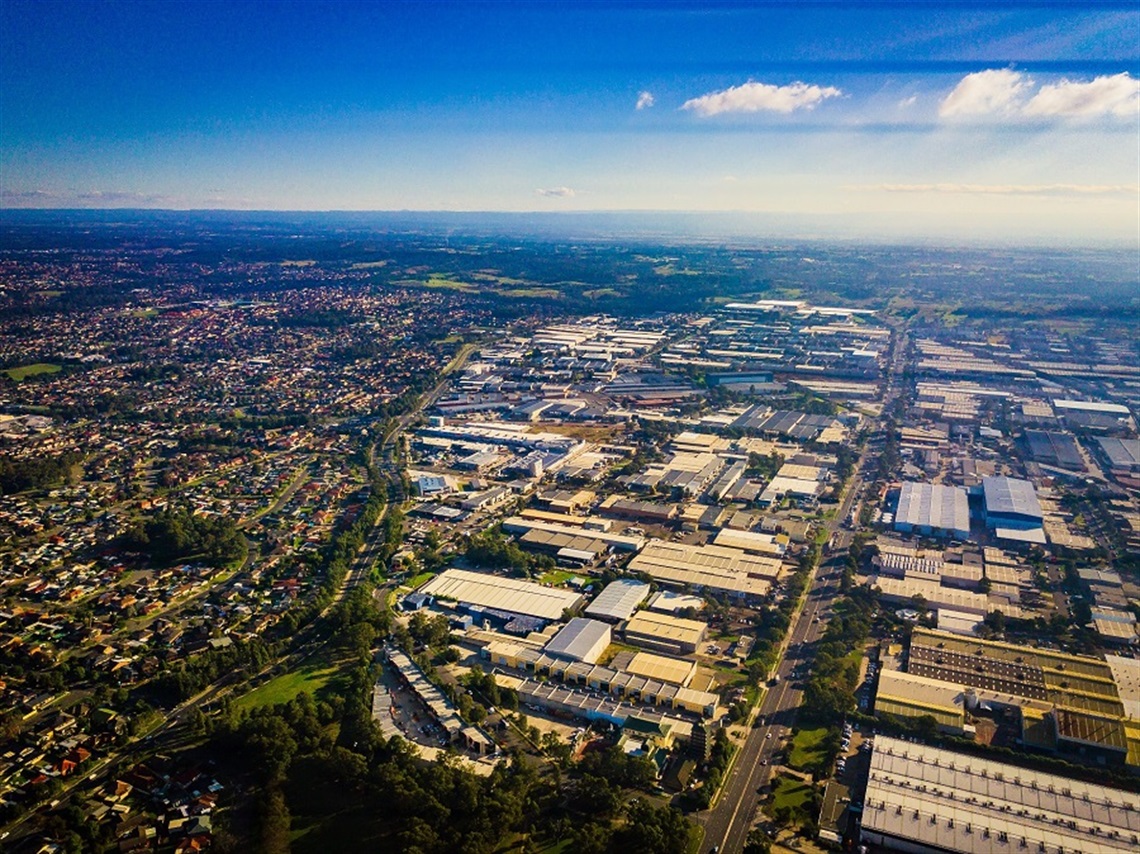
619,600
619,542
1068,703
927,799
708,567
502,594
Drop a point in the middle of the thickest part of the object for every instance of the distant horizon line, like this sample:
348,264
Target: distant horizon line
797,226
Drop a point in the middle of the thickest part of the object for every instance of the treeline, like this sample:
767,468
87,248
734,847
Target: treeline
493,550
308,766
719,758
174,535
830,692
18,475
334,563
241,658
773,622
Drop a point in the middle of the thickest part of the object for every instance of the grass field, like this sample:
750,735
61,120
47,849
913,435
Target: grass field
416,580
448,284
532,293
589,433
314,678
558,576
25,371
788,792
807,749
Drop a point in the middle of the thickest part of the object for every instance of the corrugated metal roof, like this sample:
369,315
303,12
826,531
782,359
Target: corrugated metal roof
581,639
1010,496
932,505
619,600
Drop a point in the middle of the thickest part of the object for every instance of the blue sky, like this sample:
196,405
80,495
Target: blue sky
960,118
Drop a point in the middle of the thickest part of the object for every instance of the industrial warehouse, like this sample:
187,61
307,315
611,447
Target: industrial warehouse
508,595
708,567
1072,705
926,799
933,509
619,600
665,633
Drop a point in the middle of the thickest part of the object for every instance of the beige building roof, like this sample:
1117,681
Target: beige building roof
751,541
675,671
666,627
950,801
713,567
504,594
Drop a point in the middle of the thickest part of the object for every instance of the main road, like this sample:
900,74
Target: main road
727,824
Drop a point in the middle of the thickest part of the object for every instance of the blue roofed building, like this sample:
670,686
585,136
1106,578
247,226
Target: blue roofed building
1012,511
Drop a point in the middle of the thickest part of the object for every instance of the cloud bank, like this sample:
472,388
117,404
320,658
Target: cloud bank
1007,93
752,97
1006,189
1116,95
556,192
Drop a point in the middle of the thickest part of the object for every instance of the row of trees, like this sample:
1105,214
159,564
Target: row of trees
830,692
23,473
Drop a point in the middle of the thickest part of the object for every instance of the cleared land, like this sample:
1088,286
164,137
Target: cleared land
788,792
25,371
808,749
313,677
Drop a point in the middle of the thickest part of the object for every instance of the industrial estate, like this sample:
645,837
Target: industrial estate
441,545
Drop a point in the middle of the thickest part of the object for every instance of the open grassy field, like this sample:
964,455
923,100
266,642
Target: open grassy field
558,576
314,677
416,580
531,293
807,748
788,792
586,432
25,371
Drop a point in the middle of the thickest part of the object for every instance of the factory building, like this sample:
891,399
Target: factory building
508,595
1066,704
708,567
665,633
619,600
580,639
1011,503
923,799
933,510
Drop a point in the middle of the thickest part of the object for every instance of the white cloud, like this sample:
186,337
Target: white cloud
1005,189
645,100
1003,92
556,192
908,102
752,97
993,92
1117,95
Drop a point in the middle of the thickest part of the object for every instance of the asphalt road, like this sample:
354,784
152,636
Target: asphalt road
728,823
